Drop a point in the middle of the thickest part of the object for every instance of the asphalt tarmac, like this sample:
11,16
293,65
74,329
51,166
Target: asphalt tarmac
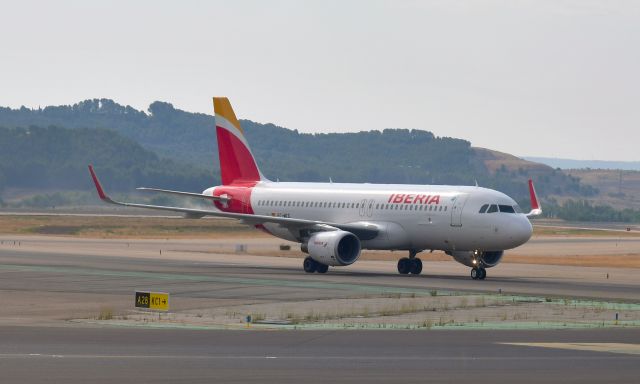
108,355
47,281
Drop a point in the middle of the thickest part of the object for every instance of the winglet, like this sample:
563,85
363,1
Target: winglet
536,209
103,196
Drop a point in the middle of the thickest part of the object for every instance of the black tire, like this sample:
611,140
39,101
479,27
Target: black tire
483,273
309,265
404,265
416,266
322,268
475,273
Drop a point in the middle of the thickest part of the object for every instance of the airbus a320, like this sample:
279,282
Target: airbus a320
334,222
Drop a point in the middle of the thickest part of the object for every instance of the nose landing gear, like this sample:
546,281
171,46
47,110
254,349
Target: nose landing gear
478,273
411,264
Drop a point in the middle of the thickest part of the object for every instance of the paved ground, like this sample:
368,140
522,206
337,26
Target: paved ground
65,355
45,282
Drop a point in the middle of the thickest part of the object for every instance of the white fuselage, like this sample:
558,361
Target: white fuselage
410,217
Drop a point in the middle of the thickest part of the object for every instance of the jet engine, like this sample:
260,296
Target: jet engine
335,248
485,259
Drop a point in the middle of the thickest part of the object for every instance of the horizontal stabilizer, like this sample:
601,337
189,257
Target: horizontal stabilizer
187,194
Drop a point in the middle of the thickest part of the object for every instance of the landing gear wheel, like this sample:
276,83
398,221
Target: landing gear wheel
416,266
478,273
322,268
309,265
404,265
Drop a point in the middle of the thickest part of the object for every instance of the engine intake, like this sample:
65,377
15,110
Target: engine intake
486,259
335,248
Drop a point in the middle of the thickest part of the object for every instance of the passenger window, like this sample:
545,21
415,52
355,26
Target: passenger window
445,208
493,208
483,209
506,209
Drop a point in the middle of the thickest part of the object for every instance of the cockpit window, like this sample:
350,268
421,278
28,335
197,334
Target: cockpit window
506,209
517,208
483,209
492,208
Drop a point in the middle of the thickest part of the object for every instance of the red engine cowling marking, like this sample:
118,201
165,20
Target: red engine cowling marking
263,228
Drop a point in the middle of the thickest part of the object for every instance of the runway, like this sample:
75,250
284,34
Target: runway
44,355
53,290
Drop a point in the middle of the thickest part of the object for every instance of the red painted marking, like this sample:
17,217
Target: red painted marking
399,198
532,195
240,198
237,165
263,228
101,193
413,199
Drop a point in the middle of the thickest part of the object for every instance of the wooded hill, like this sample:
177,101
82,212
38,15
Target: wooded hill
168,147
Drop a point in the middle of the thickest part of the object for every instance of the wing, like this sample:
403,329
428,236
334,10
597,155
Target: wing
365,231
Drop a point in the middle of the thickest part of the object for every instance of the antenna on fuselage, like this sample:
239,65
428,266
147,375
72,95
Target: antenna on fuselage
330,181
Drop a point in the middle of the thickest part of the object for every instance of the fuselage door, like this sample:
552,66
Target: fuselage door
456,209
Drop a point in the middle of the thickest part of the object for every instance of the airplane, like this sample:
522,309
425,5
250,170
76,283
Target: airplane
334,222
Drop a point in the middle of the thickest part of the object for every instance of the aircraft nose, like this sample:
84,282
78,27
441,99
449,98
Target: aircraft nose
522,230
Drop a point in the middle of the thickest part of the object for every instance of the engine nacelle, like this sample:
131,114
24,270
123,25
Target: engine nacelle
486,259
335,248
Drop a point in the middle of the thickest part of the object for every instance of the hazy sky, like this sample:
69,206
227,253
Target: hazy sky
547,78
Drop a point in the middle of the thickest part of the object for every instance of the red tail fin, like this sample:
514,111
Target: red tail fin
237,164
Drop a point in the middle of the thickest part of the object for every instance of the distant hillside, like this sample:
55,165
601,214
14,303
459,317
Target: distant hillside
390,156
56,158
583,164
617,188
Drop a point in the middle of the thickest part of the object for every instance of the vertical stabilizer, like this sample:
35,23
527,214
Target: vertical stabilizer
237,164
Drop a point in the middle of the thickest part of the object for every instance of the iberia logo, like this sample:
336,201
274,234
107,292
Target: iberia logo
401,198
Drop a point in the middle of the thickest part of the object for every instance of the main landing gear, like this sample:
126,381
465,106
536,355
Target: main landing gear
411,264
478,273
311,266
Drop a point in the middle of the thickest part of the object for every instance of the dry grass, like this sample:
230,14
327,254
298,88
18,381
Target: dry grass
617,188
125,227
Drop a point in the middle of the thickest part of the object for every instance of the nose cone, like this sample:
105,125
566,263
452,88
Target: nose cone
521,230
